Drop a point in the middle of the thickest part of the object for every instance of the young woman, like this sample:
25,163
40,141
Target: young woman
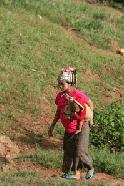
75,145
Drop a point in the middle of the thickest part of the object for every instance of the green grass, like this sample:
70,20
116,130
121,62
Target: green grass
35,44
47,158
104,161
31,61
29,179
91,22
23,178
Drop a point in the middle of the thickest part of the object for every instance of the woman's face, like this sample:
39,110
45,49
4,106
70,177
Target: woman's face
64,85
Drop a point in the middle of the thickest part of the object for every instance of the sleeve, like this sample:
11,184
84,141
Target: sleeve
81,115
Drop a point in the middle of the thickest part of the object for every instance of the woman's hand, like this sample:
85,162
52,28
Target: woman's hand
69,98
55,120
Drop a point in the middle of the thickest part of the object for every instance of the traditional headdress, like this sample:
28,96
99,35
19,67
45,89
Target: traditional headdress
68,74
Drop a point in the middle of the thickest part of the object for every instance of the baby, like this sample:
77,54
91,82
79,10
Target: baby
76,109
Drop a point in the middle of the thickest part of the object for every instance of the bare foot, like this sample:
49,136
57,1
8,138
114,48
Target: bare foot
78,175
90,171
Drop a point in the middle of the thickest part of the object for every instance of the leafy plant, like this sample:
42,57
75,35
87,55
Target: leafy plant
108,129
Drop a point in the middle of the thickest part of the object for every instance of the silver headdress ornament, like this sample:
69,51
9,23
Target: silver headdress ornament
69,75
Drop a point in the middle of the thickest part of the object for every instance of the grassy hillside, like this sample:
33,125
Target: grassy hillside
39,48
105,25
33,50
37,39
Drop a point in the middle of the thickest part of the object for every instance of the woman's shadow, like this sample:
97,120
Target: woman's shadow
32,139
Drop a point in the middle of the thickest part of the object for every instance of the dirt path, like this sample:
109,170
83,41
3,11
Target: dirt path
114,45
102,5
78,35
47,174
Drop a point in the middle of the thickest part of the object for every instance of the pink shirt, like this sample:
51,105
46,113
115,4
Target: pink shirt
70,125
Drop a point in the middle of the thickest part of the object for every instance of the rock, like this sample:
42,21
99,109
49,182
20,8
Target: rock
8,149
120,51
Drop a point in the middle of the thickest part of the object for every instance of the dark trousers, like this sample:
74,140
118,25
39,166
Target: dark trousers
75,147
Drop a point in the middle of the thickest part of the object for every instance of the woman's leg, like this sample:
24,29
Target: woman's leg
69,150
82,148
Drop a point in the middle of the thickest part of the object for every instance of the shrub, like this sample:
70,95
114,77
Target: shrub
108,127
114,3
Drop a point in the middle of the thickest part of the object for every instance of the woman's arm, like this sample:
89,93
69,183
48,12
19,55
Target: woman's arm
55,120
